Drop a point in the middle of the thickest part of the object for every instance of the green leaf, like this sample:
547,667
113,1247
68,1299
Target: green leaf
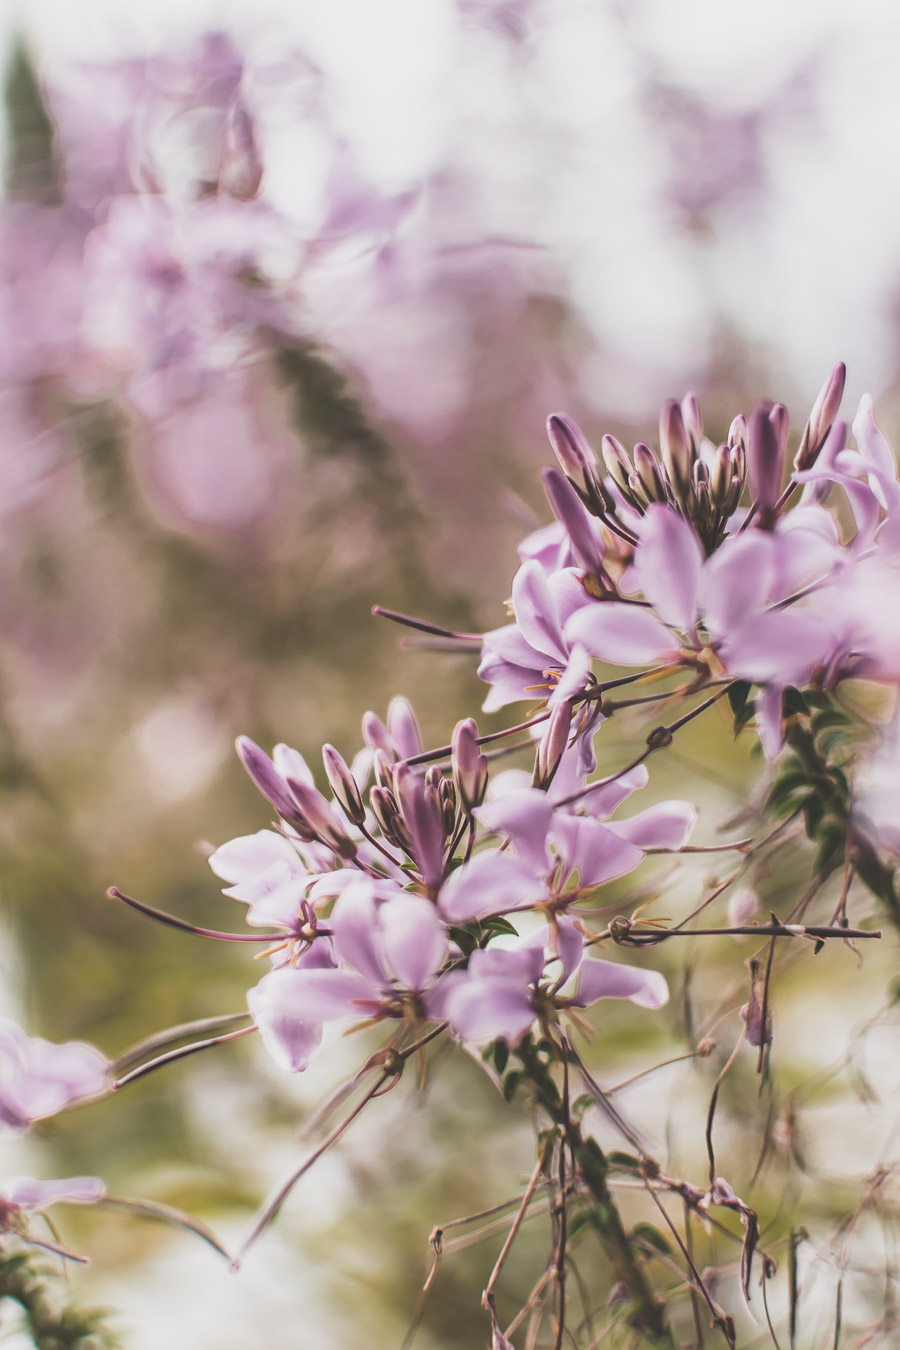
793,703
510,1083
652,1237
625,1161
499,925
501,1055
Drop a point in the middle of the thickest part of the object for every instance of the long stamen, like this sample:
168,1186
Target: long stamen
172,921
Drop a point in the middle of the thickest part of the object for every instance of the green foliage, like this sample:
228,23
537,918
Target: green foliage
50,1327
32,169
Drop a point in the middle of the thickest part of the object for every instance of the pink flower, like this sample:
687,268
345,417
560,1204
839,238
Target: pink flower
39,1078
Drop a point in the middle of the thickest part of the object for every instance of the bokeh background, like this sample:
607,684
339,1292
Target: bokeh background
287,292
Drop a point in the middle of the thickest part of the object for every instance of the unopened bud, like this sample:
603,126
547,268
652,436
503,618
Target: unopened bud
738,432
319,818
271,784
384,809
618,465
569,510
447,798
240,165
404,729
383,769
677,451
765,451
821,419
647,470
377,736
720,477
343,784
759,1030
470,767
576,458
693,422
552,745
420,808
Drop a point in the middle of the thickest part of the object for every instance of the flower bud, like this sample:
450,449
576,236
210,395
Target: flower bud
404,729
647,471
422,816
677,451
271,784
383,769
320,819
343,784
693,422
447,798
618,465
578,462
552,745
821,419
384,809
576,458
470,767
377,736
571,513
240,164
720,477
738,432
765,452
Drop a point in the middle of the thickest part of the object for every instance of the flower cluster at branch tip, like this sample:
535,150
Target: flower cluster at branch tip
37,1079
420,893
429,896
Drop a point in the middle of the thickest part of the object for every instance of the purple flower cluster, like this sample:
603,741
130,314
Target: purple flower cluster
420,893
37,1079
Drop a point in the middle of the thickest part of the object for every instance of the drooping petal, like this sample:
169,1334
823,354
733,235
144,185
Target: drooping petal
27,1193
602,800
292,1041
403,728
666,825
243,858
567,940
778,646
595,851
356,934
38,1078
525,817
489,1007
273,897
667,564
535,612
737,581
291,764
415,940
609,979
626,635
490,883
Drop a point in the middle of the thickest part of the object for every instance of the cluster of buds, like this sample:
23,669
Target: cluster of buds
702,482
704,488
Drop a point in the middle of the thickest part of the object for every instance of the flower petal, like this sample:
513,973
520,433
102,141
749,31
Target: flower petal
610,979
667,565
626,635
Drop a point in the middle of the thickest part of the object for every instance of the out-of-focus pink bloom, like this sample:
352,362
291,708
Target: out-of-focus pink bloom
39,1078
25,1193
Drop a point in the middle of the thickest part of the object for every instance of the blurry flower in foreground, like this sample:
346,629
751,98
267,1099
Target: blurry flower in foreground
21,1193
38,1078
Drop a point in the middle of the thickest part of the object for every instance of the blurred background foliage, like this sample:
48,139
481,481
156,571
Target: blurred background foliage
233,419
